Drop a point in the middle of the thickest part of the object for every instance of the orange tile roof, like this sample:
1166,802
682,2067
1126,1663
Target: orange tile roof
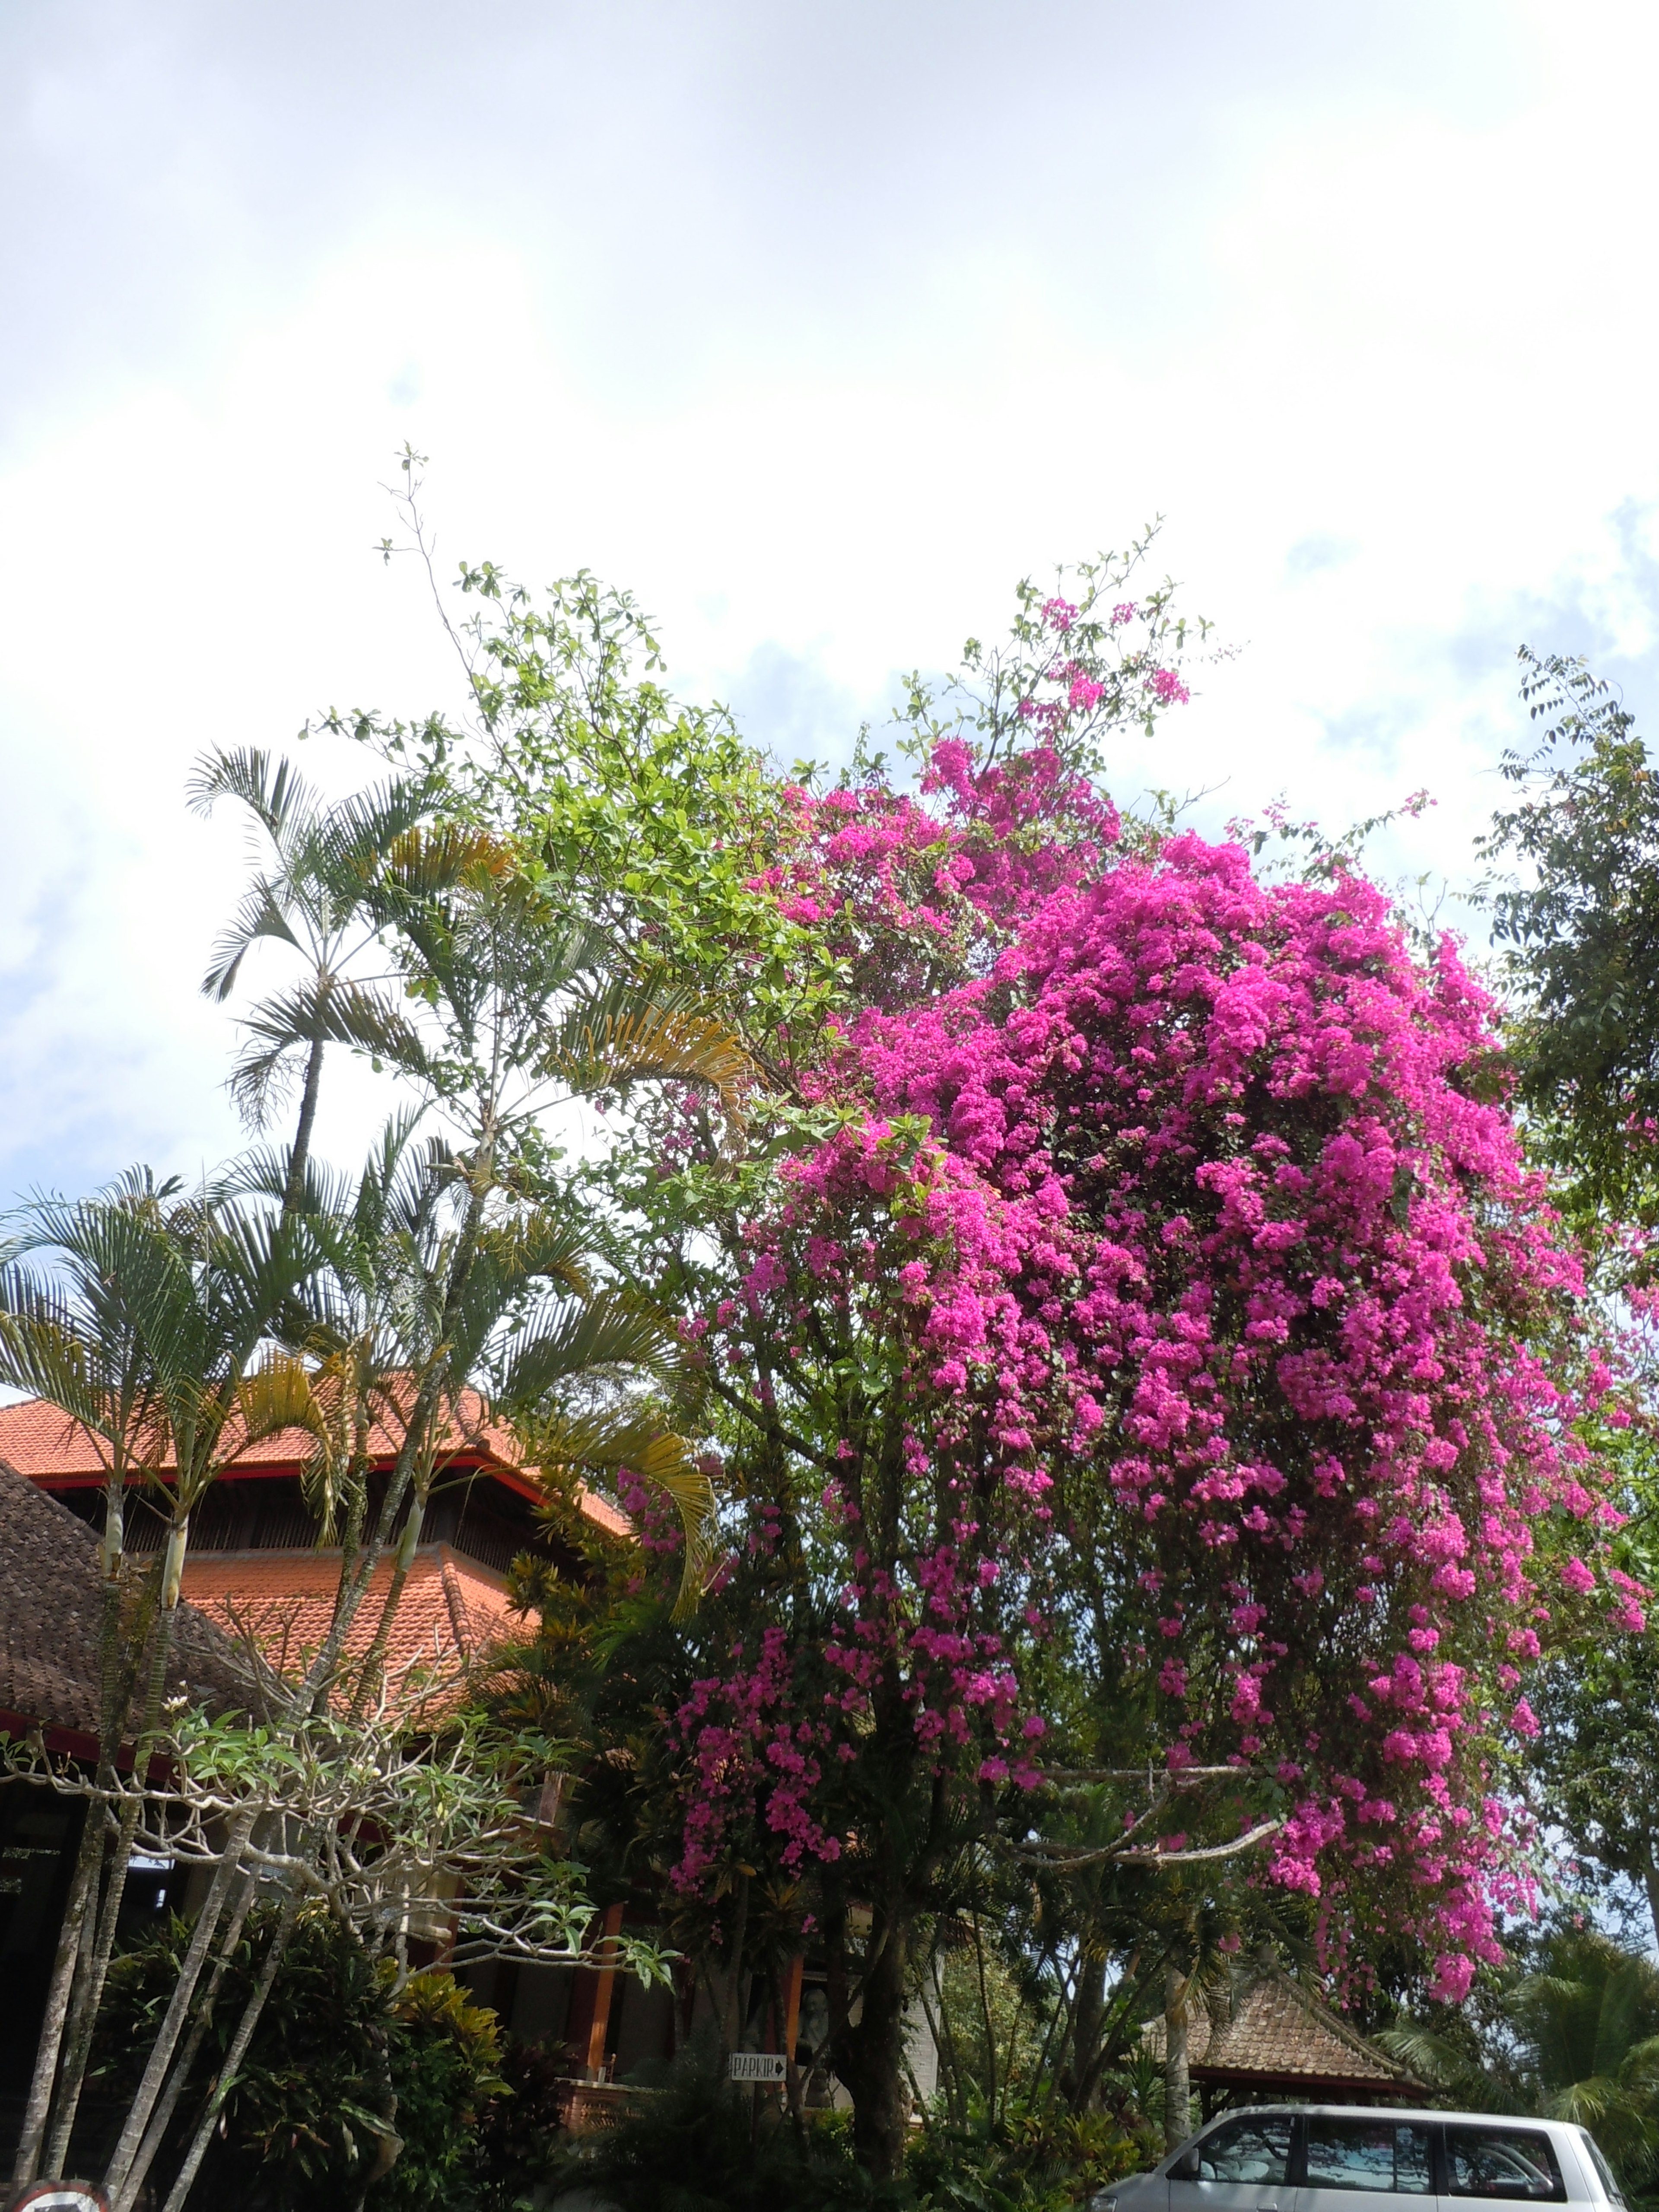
38,1440
284,1602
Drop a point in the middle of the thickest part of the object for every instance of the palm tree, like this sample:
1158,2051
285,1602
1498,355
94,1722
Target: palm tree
533,1339
149,1325
523,1010
1589,2019
317,866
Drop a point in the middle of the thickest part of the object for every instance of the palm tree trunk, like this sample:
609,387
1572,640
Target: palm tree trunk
178,2012
80,1917
89,1994
299,1159
1177,2081
1086,2021
731,2011
75,1936
422,1413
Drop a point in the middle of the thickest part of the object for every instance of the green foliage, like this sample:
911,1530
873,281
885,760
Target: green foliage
518,2137
1037,2158
1581,931
446,2068
304,2125
1588,2017
700,2147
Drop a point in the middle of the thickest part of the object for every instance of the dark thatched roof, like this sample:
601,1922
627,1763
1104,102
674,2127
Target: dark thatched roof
1265,2030
51,1610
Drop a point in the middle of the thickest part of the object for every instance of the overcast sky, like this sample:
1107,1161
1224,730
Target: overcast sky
817,327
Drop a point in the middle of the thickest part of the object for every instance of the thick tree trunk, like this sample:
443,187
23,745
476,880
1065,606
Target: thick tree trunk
732,2005
871,2060
1083,2073
1178,2084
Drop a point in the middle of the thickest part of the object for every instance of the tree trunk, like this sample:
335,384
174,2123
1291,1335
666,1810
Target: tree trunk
374,1660
225,2080
89,1992
1082,2074
1178,2084
176,2018
871,2060
161,2120
731,2009
300,1157
80,1917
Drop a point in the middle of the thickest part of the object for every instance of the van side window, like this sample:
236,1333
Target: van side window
1370,2153
1503,2161
1255,2149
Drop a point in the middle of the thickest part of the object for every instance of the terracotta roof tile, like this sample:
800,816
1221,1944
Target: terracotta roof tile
38,1440
284,1600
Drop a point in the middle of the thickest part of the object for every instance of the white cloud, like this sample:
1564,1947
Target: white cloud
816,332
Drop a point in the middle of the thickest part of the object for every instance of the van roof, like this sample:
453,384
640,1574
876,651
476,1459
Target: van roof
1392,2112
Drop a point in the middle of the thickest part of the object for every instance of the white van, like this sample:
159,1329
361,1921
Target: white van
1346,2158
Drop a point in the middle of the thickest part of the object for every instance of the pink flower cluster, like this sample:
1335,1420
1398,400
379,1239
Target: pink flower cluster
751,1761
1183,1230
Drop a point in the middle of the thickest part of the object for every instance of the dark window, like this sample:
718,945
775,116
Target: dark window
1512,2162
1242,2150
1368,2154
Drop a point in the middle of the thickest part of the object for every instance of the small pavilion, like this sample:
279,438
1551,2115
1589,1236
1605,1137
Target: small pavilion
1265,2037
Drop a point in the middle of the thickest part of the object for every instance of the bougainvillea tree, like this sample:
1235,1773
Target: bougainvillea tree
1130,1336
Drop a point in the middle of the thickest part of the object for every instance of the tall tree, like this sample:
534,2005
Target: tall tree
1579,930
1133,1275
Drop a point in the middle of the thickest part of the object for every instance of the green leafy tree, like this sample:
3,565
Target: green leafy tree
1579,933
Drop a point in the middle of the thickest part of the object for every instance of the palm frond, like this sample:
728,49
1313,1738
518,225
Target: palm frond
610,1442
257,915
621,1035
610,1333
274,793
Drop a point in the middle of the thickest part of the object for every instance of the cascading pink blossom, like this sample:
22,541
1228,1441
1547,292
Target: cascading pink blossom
1184,1221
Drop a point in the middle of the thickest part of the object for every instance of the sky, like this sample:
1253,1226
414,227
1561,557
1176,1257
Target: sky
818,328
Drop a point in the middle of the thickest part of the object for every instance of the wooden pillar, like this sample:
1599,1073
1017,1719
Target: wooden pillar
589,2017
792,2007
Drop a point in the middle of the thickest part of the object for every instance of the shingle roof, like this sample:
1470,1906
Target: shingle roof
1269,2028
51,1610
38,1440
